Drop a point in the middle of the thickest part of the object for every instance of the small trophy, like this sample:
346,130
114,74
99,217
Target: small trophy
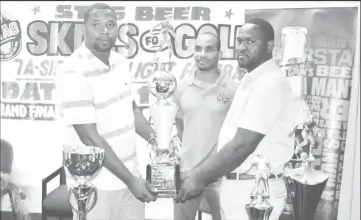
304,184
84,164
259,208
164,169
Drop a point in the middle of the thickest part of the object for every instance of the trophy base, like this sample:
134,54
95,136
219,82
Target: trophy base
258,211
305,198
165,178
263,197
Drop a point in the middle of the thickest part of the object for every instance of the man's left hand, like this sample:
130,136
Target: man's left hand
191,188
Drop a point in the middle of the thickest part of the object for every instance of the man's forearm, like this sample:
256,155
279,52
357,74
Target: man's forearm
111,160
222,163
142,126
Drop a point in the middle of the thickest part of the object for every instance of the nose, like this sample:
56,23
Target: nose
240,47
200,54
104,31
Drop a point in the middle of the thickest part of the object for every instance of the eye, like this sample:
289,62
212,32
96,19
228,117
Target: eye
96,25
197,49
111,25
209,49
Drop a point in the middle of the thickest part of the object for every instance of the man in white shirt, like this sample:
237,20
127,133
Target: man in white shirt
98,109
261,116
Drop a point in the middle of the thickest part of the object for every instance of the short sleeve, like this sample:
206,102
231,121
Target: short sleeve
263,108
74,98
177,99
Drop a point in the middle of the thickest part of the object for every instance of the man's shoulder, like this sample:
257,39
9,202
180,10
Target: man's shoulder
73,63
229,83
118,57
273,77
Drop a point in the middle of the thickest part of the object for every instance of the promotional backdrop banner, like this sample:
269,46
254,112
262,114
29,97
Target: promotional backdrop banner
330,52
36,44
37,37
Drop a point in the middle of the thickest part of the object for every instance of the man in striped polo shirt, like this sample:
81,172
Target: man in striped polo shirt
98,109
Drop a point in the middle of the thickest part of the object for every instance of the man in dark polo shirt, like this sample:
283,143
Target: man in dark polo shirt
204,99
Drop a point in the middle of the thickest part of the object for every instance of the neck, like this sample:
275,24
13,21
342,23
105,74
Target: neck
209,76
254,66
102,56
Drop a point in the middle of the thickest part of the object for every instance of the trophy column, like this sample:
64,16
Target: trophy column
304,184
163,171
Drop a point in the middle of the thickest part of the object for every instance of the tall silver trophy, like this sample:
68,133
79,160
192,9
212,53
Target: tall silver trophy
259,207
84,164
304,184
163,171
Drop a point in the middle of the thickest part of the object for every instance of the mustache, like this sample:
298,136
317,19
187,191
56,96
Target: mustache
104,38
241,53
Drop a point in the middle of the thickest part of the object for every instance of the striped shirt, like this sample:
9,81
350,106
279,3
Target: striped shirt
88,91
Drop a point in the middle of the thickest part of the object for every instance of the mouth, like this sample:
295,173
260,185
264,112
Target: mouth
201,62
104,40
242,55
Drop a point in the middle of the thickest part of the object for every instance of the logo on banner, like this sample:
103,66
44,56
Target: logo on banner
10,38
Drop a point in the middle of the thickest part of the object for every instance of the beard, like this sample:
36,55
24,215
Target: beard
103,46
207,67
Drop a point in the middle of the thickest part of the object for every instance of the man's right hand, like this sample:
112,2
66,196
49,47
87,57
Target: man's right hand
143,190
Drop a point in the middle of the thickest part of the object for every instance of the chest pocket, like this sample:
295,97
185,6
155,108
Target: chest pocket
215,100
219,101
108,86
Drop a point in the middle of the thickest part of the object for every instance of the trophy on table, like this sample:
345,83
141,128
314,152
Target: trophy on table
304,184
84,164
163,171
259,207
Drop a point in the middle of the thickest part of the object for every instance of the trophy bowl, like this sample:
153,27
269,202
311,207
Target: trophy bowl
259,209
163,84
84,164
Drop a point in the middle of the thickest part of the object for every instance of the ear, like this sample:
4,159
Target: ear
220,55
270,46
83,28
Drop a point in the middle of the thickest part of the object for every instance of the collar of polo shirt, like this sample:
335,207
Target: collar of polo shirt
258,71
98,63
220,80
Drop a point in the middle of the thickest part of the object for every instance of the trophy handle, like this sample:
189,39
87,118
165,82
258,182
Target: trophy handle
94,201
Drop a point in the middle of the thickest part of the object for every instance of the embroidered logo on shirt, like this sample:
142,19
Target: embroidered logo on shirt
223,97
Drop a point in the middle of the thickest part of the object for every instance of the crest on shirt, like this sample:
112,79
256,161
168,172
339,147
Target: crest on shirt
223,97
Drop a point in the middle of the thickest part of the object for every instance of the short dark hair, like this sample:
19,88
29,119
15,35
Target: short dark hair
265,26
218,43
96,6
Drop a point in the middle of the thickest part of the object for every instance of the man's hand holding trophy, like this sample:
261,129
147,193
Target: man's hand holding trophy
163,171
